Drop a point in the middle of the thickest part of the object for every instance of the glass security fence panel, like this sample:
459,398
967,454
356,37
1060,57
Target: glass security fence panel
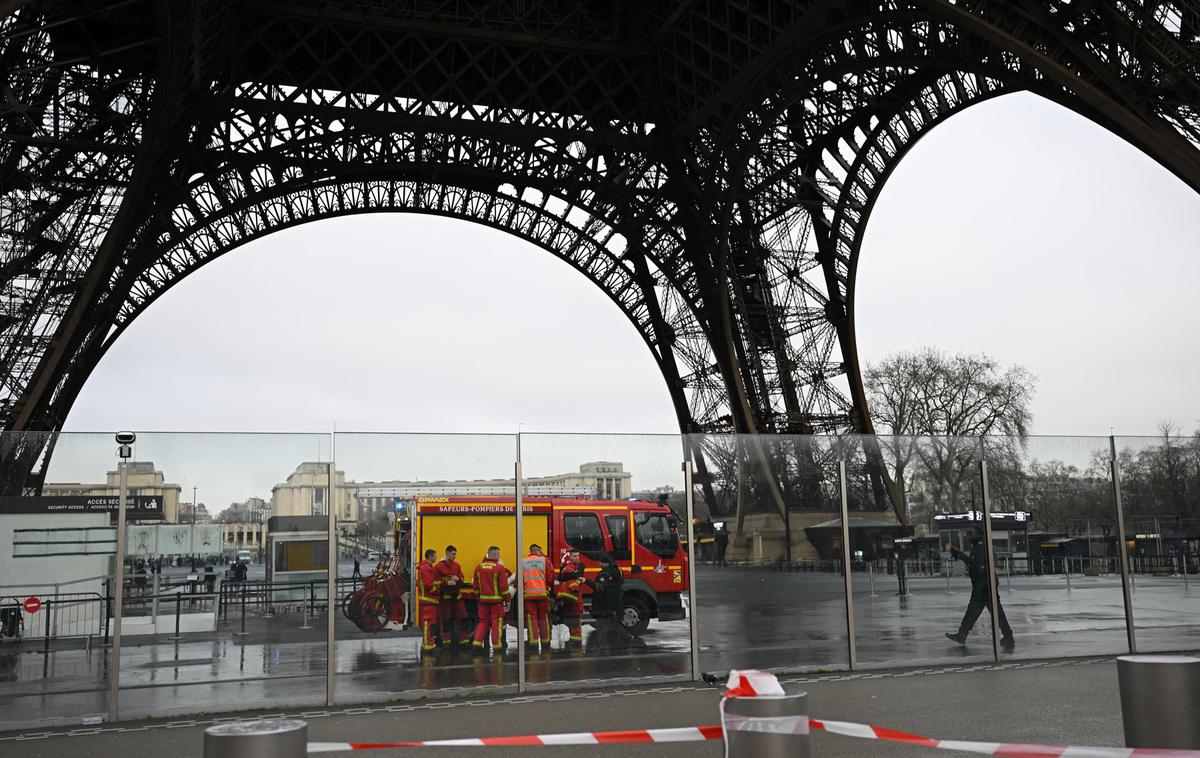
425,509
225,595
1054,531
914,505
57,549
770,589
609,512
1160,493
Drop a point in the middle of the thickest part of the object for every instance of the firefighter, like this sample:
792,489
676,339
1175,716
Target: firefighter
535,574
491,590
428,599
568,597
452,611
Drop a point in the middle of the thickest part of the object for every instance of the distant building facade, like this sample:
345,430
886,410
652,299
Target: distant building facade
306,493
599,480
144,479
244,524
197,515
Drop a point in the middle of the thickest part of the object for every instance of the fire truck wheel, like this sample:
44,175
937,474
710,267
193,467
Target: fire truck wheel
636,615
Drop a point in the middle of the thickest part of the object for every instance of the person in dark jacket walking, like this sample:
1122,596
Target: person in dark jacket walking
977,569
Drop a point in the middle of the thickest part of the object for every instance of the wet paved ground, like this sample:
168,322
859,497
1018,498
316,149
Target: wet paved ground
748,618
1066,702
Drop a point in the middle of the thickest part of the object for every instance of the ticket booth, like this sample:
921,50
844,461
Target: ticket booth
1009,536
298,547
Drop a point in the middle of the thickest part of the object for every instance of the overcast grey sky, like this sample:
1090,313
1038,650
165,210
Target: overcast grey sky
1016,228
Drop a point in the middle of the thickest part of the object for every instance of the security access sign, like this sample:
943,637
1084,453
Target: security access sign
136,507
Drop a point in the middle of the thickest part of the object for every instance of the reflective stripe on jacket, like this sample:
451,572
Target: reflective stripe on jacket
491,582
427,583
570,591
535,570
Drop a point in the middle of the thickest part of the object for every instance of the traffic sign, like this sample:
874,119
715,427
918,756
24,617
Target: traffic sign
33,604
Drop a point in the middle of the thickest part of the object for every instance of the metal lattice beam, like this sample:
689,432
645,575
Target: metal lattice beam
711,166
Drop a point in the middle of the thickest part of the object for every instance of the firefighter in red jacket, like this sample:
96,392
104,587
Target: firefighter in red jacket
452,611
428,600
491,590
535,577
569,598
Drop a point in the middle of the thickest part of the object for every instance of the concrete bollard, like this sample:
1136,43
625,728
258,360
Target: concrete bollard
267,738
1160,700
766,726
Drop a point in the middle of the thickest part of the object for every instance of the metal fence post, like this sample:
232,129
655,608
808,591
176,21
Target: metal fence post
54,611
519,513
993,584
106,613
178,601
693,619
114,692
331,574
847,567
1122,553
243,632
154,606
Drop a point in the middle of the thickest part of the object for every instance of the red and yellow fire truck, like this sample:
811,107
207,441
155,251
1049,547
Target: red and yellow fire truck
640,535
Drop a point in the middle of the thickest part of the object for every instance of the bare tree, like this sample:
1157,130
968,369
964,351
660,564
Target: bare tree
935,406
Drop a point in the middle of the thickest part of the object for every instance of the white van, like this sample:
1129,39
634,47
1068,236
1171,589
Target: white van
245,556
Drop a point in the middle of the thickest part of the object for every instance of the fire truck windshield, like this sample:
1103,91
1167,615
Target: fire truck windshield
654,532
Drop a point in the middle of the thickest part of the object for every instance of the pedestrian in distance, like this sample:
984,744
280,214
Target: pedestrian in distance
452,611
491,591
981,588
357,568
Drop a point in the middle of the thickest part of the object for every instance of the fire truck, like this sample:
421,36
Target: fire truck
641,536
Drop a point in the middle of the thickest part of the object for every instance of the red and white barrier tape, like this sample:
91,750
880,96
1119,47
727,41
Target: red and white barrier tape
686,734
762,684
1014,750
788,725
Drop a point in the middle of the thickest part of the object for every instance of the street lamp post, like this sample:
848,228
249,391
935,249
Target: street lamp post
192,542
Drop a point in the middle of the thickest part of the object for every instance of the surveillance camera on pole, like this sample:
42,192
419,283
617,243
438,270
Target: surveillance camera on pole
125,452
125,440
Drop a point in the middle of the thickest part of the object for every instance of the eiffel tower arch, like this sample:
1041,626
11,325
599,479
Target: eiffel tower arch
711,165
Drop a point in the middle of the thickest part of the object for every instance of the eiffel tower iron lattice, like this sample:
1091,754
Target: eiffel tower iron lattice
710,165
